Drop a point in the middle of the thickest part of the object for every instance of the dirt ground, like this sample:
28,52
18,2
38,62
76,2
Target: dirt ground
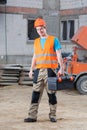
14,105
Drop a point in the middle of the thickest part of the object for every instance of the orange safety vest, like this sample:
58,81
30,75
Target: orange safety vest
45,58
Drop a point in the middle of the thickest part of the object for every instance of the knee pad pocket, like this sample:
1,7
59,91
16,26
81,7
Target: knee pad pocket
52,98
35,97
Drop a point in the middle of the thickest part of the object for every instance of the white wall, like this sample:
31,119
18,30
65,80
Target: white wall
2,34
17,35
26,3
83,20
70,4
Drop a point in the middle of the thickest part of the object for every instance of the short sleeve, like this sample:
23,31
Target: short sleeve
57,44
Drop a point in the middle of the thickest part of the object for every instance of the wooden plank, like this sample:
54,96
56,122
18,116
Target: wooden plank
8,78
26,83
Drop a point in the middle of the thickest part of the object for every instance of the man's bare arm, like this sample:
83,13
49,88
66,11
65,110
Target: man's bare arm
60,61
33,64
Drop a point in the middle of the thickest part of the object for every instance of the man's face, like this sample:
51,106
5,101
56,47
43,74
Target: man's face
41,30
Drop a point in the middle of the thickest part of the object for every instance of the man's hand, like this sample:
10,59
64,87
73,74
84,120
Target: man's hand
31,74
60,61
32,66
60,72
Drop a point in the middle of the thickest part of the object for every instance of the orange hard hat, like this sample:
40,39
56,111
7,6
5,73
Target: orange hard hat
39,22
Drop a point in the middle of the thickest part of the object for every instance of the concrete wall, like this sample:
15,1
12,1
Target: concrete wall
51,4
75,10
13,39
13,31
2,34
15,47
83,20
27,3
71,4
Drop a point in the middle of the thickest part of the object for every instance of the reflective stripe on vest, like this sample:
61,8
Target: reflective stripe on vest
39,55
46,62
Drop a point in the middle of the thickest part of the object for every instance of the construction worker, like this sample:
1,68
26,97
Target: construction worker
47,55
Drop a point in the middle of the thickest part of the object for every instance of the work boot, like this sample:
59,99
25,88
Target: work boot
30,120
52,114
53,120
